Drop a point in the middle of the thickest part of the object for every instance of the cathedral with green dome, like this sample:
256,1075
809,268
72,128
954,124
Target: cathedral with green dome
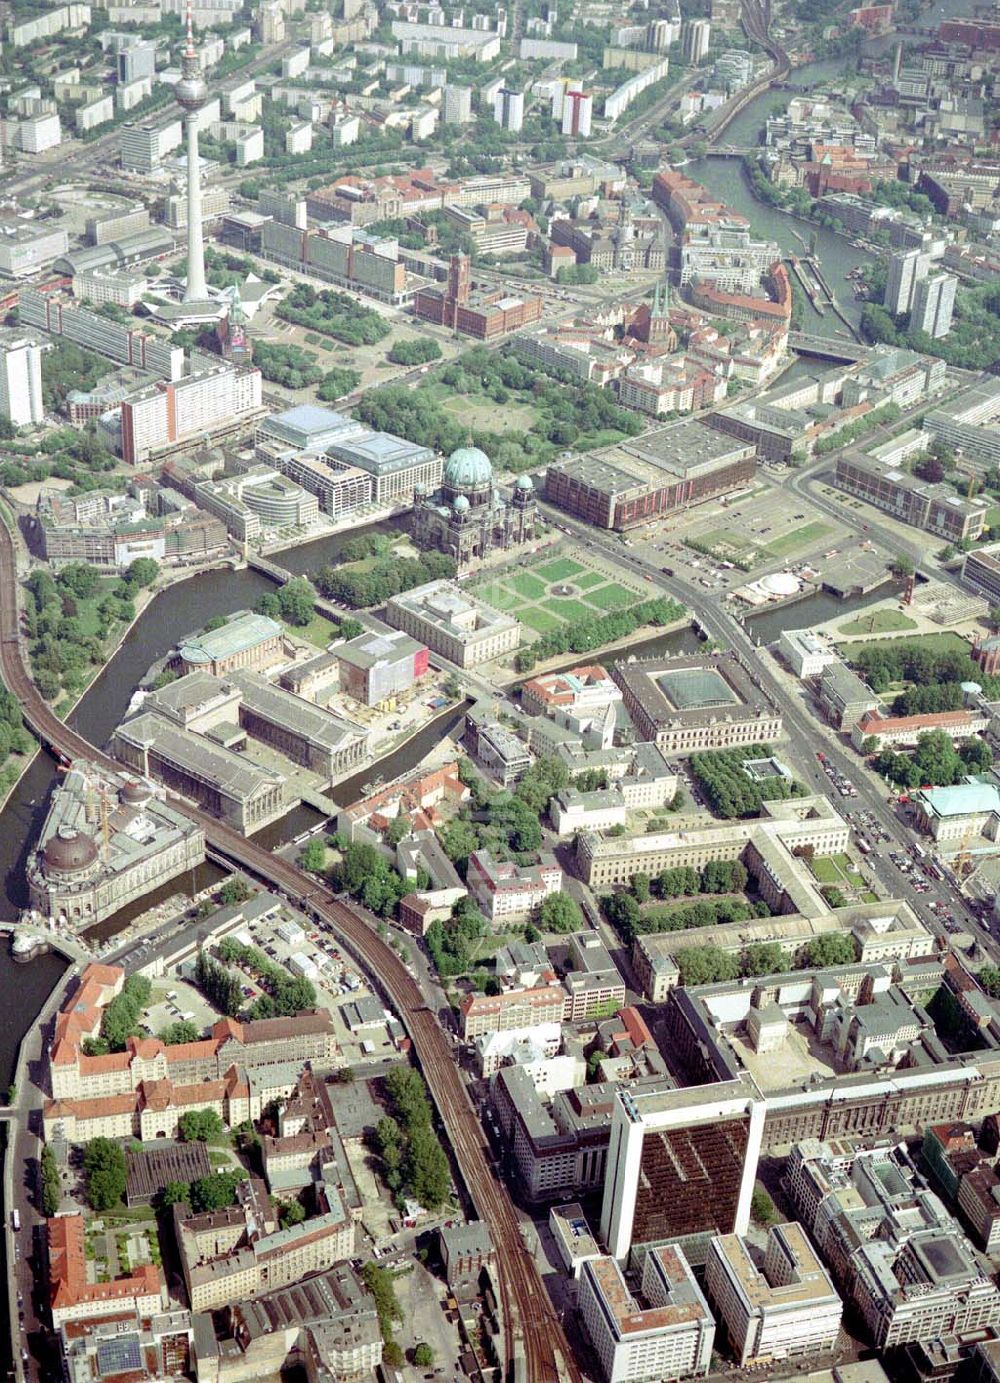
470,517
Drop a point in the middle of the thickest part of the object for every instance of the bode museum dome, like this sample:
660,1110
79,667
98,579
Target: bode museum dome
470,516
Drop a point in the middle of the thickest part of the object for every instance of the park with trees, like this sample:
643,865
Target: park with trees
334,314
583,636
71,617
413,1162
373,580
566,411
727,787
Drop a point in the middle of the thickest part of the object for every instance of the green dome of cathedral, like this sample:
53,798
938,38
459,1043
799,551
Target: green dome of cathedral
468,468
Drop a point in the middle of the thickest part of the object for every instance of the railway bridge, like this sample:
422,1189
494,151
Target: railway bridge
535,1343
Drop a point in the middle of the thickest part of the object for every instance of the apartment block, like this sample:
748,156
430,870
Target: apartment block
167,414
21,380
505,891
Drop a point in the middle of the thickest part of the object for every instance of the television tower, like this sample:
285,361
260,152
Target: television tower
191,92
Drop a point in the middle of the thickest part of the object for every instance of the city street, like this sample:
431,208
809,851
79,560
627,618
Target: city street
804,729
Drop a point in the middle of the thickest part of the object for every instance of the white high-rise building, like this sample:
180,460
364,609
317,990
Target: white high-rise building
578,110
457,105
21,381
788,1310
155,418
695,37
508,109
934,304
906,269
669,1334
191,93
681,1164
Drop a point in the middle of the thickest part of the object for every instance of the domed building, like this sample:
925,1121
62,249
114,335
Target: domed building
469,516
107,839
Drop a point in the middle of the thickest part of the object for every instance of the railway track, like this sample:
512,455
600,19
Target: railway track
534,1336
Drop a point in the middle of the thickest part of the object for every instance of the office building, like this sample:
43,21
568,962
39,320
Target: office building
668,1332
495,746
136,61
160,1345
124,287
786,1309
936,509
695,36
262,1049
903,732
906,269
254,503
681,1165
144,146
465,1251
512,1010
767,847
507,892
453,623
844,696
934,304
21,380
227,1255
915,1290
396,467
805,653
107,840
27,247
73,1296
967,423
107,226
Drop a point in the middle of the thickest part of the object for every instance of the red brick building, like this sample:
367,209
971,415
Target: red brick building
479,312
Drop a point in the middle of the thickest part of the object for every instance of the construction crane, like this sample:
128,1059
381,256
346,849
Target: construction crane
98,796
963,860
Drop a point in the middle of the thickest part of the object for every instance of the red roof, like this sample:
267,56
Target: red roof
873,724
68,1285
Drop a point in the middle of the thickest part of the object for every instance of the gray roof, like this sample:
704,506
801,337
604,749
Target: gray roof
319,726
379,453
233,774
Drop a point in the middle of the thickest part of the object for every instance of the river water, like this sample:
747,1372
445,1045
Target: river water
186,605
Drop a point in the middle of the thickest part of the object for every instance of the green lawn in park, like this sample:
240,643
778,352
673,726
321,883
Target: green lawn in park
559,569
611,597
526,584
878,622
539,620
